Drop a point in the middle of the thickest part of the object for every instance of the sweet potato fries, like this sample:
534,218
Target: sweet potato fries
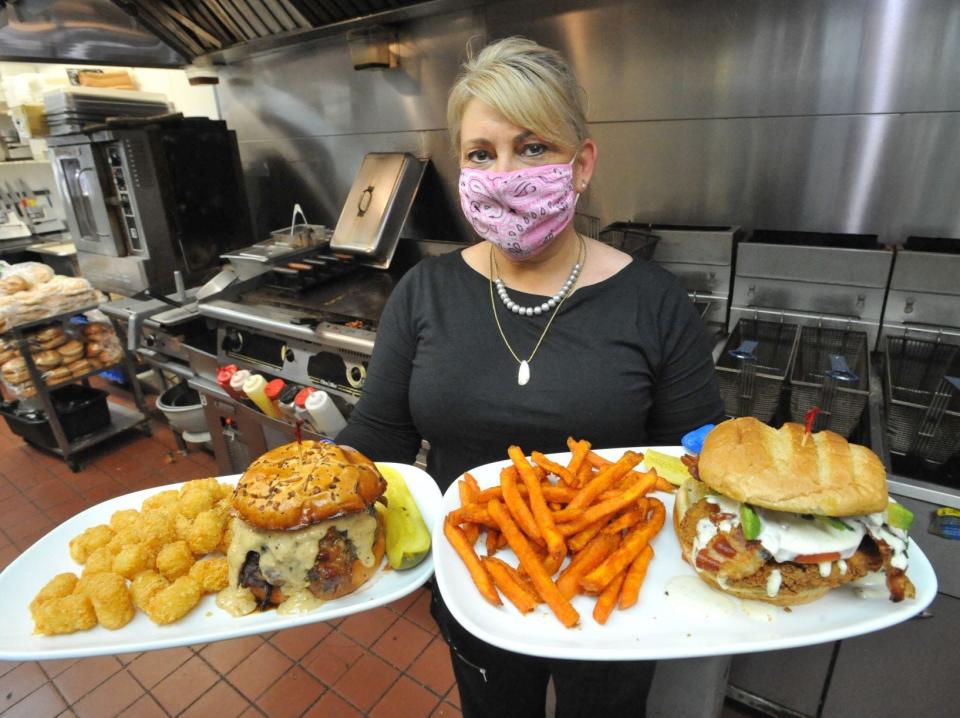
580,528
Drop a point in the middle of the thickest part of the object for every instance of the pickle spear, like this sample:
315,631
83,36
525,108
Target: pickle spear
408,540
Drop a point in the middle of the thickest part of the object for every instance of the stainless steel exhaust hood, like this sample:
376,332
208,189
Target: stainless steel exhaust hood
224,29
79,31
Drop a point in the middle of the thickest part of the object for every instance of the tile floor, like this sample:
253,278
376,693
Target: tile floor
386,662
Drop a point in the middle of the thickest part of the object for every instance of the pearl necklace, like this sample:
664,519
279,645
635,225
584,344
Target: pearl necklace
546,306
523,374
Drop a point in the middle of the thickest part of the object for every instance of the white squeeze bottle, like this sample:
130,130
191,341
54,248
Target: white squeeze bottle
324,414
236,381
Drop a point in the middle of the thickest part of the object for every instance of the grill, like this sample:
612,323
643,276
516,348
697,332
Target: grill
753,366
923,398
831,372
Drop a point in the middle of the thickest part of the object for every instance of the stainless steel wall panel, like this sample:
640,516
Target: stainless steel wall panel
745,58
816,116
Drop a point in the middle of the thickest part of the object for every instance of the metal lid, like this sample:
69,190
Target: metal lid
377,207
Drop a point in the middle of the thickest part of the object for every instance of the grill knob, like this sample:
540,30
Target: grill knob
232,342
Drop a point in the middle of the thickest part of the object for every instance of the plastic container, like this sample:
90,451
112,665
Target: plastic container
181,406
224,375
255,387
82,410
288,409
324,414
300,405
236,383
273,390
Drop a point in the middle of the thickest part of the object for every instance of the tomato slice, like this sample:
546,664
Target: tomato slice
817,557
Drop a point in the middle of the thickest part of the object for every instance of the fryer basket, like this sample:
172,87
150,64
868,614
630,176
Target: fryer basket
753,366
831,371
923,398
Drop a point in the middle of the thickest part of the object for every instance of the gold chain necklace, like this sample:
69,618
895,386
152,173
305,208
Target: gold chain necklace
523,374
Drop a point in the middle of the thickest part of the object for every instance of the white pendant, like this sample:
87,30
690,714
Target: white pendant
523,375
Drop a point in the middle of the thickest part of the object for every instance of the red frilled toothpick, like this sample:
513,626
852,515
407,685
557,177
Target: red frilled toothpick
809,418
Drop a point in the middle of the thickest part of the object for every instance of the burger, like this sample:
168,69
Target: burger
305,528
783,516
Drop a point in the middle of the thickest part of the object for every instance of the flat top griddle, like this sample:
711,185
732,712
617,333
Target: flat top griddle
358,295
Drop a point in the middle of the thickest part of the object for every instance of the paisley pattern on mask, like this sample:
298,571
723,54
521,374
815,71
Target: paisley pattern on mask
522,211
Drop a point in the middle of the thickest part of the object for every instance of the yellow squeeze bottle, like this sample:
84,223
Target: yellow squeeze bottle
255,387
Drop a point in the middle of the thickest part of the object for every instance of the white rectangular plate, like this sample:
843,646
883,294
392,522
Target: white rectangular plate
23,578
677,616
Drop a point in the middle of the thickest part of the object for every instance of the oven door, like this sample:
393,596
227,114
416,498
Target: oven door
81,181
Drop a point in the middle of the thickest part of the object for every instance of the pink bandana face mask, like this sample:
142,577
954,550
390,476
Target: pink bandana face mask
521,211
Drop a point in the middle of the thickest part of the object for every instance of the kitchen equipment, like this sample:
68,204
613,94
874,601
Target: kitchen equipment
831,372
146,198
754,365
829,280
80,409
181,406
377,207
71,109
923,397
630,237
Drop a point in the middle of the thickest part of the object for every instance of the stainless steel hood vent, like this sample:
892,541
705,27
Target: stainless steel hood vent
79,31
205,27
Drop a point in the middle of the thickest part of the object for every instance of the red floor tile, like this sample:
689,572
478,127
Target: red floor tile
453,696
45,702
432,667
85,675
153,666
331,705
297,642
402,643
146,707
224,656
291,695
419,613
405,699
332,657
259,670
366,681
445,710
222,701
19,683
110,698
185,685
365,628
402,604
55,668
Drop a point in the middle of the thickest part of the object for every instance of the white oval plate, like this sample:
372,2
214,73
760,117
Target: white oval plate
677,616
23,578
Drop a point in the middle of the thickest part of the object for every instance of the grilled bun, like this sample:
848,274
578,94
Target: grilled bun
291,487
753,463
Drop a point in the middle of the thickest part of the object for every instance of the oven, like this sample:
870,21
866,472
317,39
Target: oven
145,198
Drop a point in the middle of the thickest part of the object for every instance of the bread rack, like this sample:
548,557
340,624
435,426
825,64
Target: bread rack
122,418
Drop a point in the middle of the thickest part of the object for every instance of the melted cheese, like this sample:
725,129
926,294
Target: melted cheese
287,556
237,601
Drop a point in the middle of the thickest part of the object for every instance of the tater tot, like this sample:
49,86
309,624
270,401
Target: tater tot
89,541
121,520
225,491
133,559
182,525
206,532
174,559
156,528
110,598
64,615
209,486
192,502
124,537
57,587
99,561
143,587
211,574
174,601
161,500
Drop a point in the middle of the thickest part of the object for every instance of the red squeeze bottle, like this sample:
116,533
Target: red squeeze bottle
224,374
299,403
273,390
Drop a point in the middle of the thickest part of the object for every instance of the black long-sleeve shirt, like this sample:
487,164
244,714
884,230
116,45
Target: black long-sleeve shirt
626,362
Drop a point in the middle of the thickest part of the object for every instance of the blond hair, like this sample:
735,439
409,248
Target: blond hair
531,85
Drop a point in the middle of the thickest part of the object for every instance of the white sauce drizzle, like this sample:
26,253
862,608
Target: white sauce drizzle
773,582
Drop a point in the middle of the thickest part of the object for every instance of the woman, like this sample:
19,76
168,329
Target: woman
529,337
